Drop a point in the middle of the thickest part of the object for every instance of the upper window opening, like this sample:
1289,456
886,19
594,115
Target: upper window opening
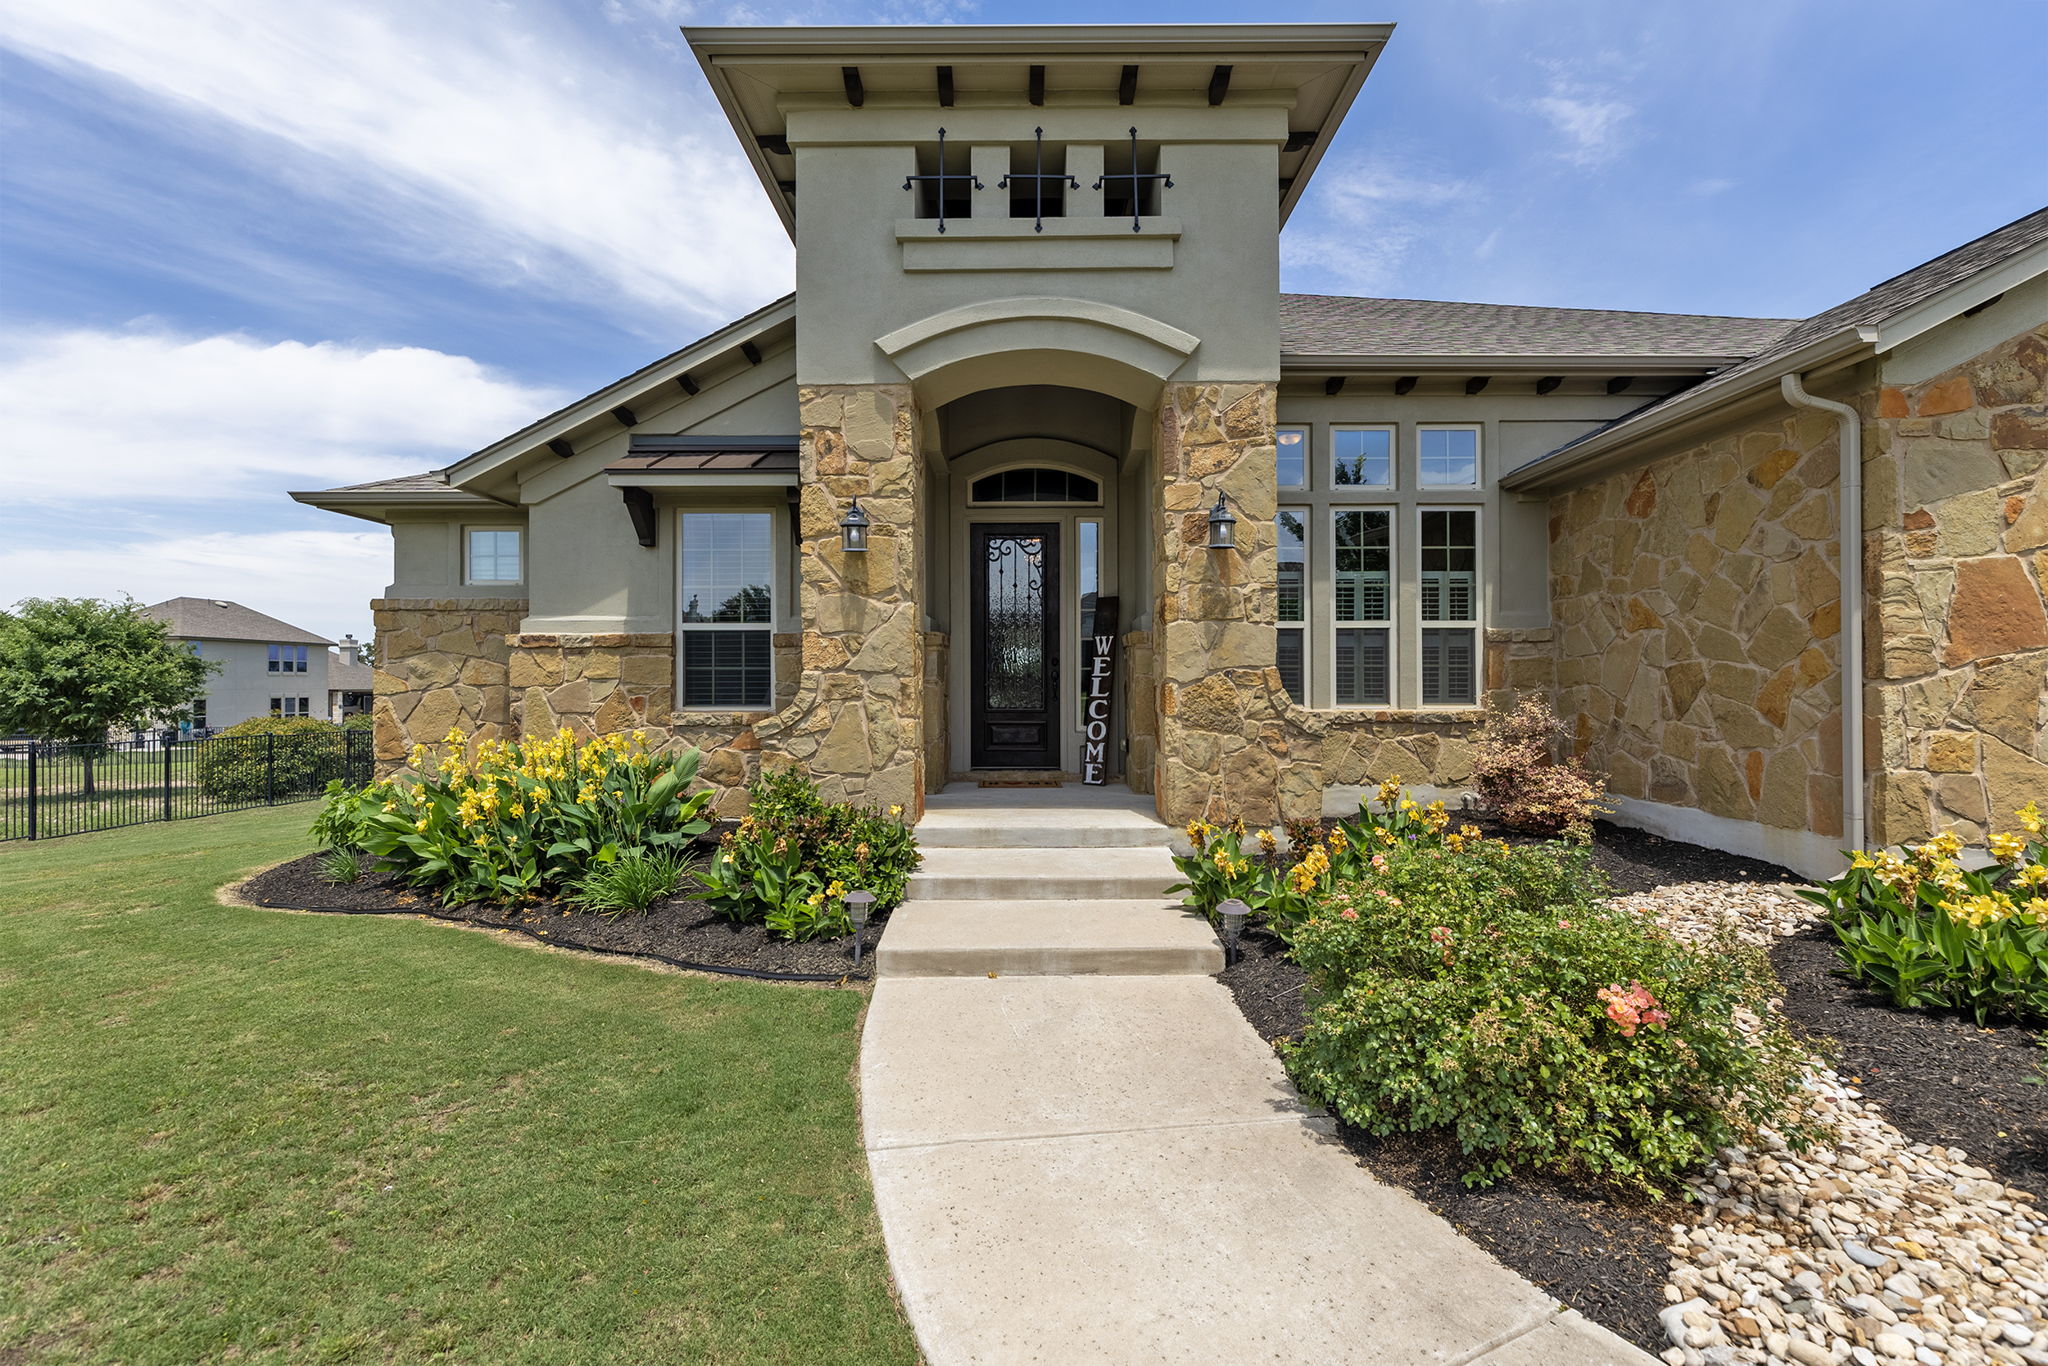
1038,181
1363,457
493,557
944,181
1035,486
1447,457
1291,457
1131,180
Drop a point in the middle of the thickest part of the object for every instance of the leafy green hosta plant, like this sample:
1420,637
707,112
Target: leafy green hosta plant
1931,934
1492,992
504,820
630,883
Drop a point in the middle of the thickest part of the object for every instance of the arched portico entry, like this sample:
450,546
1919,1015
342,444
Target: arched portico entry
1028,535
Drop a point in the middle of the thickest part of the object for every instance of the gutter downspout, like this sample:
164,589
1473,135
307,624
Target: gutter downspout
1850,428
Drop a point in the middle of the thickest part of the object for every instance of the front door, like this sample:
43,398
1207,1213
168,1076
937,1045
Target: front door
1015,619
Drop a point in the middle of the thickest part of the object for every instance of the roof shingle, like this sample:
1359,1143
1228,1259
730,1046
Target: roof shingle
1334,325
218,619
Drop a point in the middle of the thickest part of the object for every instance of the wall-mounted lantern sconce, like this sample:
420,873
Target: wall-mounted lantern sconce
853,529
1222,526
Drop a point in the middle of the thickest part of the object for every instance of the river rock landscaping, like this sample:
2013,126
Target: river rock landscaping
1878,1247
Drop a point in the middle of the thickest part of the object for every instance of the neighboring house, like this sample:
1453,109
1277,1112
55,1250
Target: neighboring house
267,667
351,682
1037,364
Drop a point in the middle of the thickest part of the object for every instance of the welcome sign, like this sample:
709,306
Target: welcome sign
1098,691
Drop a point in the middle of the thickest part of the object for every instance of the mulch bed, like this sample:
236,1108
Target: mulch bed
678,931
1938,1079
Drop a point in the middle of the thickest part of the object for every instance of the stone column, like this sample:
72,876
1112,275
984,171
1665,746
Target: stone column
856,723
441,662
1223,730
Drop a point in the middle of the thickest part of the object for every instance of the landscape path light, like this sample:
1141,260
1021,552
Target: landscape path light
853,528
1233,912
858,906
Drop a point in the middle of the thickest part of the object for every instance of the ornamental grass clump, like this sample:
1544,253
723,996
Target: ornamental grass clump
794,857
1493,992
1932,934
502,820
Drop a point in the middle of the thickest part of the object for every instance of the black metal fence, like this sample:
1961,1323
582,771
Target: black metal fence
51,790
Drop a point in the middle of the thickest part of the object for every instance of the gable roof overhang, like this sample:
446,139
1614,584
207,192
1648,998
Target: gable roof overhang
1316,68
774,321
378,501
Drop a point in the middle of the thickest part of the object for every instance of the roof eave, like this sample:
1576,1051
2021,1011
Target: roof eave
1470,363
372,506
1706,406
495,456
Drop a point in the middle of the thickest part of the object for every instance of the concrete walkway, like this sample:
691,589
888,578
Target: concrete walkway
1077,1163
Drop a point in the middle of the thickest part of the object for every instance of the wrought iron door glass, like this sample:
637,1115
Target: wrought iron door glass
1015,678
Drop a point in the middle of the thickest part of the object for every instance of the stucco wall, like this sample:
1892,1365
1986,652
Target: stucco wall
1696,601
1956,517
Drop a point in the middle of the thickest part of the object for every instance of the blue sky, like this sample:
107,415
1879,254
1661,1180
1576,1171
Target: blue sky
248,246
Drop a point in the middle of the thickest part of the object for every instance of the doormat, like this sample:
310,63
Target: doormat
1020,782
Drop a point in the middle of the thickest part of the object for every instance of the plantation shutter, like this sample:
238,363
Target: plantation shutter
1361,661
1290,662
1447,673
1449,595
727,669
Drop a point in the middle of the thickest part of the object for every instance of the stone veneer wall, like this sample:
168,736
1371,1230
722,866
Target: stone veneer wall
856,724
1139,708
1222,744
938,757
1697,602
1956,566
442,662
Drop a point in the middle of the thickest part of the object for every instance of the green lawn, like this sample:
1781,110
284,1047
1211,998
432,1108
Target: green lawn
243,1134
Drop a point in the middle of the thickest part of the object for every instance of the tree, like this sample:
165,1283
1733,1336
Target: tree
72,669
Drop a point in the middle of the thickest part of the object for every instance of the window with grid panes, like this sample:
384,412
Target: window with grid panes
1362,457
1362,586
726,632
1450,606
493,556
1292,645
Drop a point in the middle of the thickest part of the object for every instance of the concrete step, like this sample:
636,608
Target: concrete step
984,874
1072,817
1046,939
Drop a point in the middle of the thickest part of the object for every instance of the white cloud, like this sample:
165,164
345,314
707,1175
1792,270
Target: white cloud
1366,217
508,148
321,580
1592,121
153,415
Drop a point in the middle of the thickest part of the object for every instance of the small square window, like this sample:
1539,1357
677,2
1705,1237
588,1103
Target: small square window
1291,457
493,556
1447,457
1362,457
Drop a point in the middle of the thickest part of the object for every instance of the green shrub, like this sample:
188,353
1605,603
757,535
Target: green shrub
1286,890
1491,991
1934,935
503,820
341,821
237,764
794,858
631,883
